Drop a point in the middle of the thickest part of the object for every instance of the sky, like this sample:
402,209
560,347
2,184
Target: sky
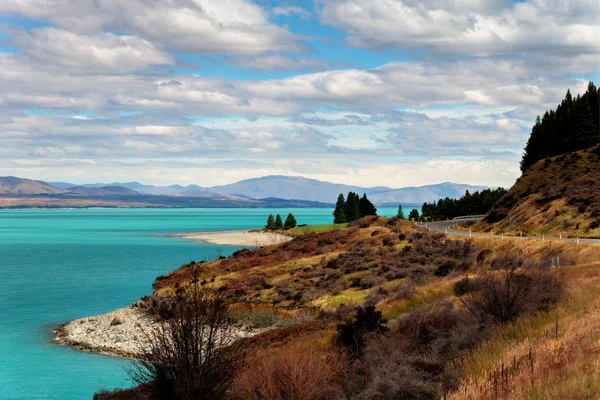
383,92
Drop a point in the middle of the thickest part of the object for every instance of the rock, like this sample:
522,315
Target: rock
118,320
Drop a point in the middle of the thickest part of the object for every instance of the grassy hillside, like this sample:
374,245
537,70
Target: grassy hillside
438,341
559,195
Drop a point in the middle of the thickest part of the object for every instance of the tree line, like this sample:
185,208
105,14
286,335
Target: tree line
574,125
276,223
352,207
470,204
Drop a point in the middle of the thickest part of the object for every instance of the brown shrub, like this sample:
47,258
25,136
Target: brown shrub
295,371
514,288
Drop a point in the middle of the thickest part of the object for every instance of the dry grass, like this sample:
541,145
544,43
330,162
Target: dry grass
427,294
531,358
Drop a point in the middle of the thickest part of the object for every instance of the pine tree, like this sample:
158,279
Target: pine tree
270,223
366,207
278,222
586,133
290,222
400,213
414,214
352,208
339,214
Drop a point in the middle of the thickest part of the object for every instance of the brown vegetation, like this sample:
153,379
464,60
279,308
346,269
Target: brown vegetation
434,302
558,195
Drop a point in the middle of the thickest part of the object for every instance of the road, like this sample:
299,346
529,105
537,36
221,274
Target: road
447,227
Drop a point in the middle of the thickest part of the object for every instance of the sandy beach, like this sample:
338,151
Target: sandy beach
238,238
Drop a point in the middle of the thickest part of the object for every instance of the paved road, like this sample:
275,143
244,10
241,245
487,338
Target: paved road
447,227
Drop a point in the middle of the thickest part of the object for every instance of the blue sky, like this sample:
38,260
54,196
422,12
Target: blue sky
388,92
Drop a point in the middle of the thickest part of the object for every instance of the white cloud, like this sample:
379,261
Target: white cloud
194,26
98,53
291,10
558,31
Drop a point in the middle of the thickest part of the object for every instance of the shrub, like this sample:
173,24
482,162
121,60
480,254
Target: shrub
296,371
352,334
513,289
193,354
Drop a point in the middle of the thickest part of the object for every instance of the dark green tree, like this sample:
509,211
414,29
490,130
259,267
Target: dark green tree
400,213
278,222
271,223
366,207
352,208
414,214
290,222
574,125
339,214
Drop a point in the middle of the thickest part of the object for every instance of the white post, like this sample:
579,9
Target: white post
577,241
543,237
446,231
502,235
521,233
560,235
491,232
470,233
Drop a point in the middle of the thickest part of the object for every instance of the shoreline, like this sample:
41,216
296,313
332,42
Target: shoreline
236,238
119,333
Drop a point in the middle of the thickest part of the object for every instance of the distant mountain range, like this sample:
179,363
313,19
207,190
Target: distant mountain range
268,191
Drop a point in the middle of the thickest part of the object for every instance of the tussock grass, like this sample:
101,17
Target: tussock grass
392,309
540,361
301,230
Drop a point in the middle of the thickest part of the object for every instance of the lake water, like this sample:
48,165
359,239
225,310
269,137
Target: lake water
58,265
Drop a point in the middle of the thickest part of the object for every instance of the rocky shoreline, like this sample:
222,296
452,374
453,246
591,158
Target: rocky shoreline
119,333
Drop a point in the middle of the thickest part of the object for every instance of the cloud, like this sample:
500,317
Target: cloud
290,10
278,63
98,53
559,31
192,26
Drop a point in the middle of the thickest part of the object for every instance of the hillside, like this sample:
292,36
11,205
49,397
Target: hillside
25,193
292,187
556,196
440,339
10,185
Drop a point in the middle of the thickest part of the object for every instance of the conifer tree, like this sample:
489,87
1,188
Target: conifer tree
366,207
352,208
278,222
400,213
574,125
414,214
290,222
339,214
270,223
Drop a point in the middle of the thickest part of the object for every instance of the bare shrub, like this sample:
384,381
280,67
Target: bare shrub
409,362
296,371
513,288
404,290
193,354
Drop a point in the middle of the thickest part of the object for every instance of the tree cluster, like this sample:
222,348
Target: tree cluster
352,207
470,204
572,126
276,223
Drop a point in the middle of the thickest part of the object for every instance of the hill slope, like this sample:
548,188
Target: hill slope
294,187
19,186
559,195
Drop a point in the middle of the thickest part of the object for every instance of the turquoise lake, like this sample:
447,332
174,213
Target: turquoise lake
58,265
